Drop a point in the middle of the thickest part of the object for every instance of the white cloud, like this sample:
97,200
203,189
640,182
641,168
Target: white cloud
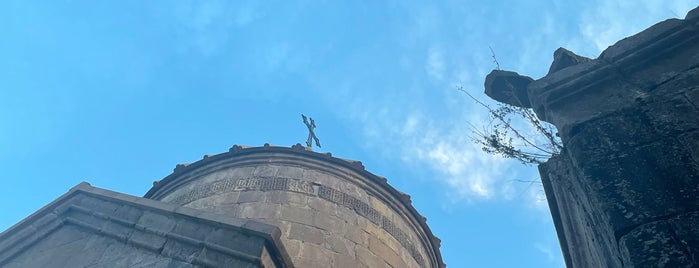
545,250
206,27
610,21
435,64
444,147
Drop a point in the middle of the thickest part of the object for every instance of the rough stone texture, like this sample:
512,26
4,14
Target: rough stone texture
331,212
91,227
625,190
508,87
563,58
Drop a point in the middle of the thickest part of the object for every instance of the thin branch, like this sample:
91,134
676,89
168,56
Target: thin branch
495,60
505,122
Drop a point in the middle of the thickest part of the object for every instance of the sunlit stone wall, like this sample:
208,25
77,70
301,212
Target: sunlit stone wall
332,212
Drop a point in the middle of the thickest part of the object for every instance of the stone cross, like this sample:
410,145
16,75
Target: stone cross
311,134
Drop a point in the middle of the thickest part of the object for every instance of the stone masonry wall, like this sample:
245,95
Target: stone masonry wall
317,230
625,190
330,215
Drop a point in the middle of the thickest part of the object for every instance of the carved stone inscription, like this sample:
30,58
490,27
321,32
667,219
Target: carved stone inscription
304,187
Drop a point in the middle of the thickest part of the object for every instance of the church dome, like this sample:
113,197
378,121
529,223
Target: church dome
331,211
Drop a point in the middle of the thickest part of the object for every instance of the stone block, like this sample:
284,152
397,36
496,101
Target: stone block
292,246
117,230
147,240
97,203
303,215
409,260
265,171
630,45
691,141
614,132
664,62
686,230
92,250
692,93
671,115
290,172
654,245
685,81
281,197
321,205
339,244
312,255
240,172
192,229
306,233
348,215
368,258
232,210
227,238
224,199
373,230
260,211
156,221
381,250
392,243
180,251
328,223
357,235
127,213
627,188
321,178
84,218
251,196
342,261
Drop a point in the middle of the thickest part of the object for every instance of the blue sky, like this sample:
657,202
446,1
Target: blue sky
118,93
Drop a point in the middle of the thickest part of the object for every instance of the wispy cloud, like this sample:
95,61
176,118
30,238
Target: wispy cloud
610,21
435,64
206,27
444,146
545,250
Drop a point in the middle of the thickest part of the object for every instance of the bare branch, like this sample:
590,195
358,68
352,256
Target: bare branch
499,136
495,60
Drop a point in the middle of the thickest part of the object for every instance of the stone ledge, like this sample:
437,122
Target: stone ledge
186,235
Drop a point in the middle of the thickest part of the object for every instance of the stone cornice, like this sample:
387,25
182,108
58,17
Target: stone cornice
577,89
136,221
670,39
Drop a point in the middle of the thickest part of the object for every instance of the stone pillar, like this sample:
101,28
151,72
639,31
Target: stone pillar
625,190
332,212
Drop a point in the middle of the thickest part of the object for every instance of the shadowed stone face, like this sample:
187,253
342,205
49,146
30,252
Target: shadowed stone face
508,87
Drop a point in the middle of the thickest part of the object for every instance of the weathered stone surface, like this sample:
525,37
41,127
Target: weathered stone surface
625,190
90,227
306,233
323,206
563,58
660,246
508,87
631,44
573,211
